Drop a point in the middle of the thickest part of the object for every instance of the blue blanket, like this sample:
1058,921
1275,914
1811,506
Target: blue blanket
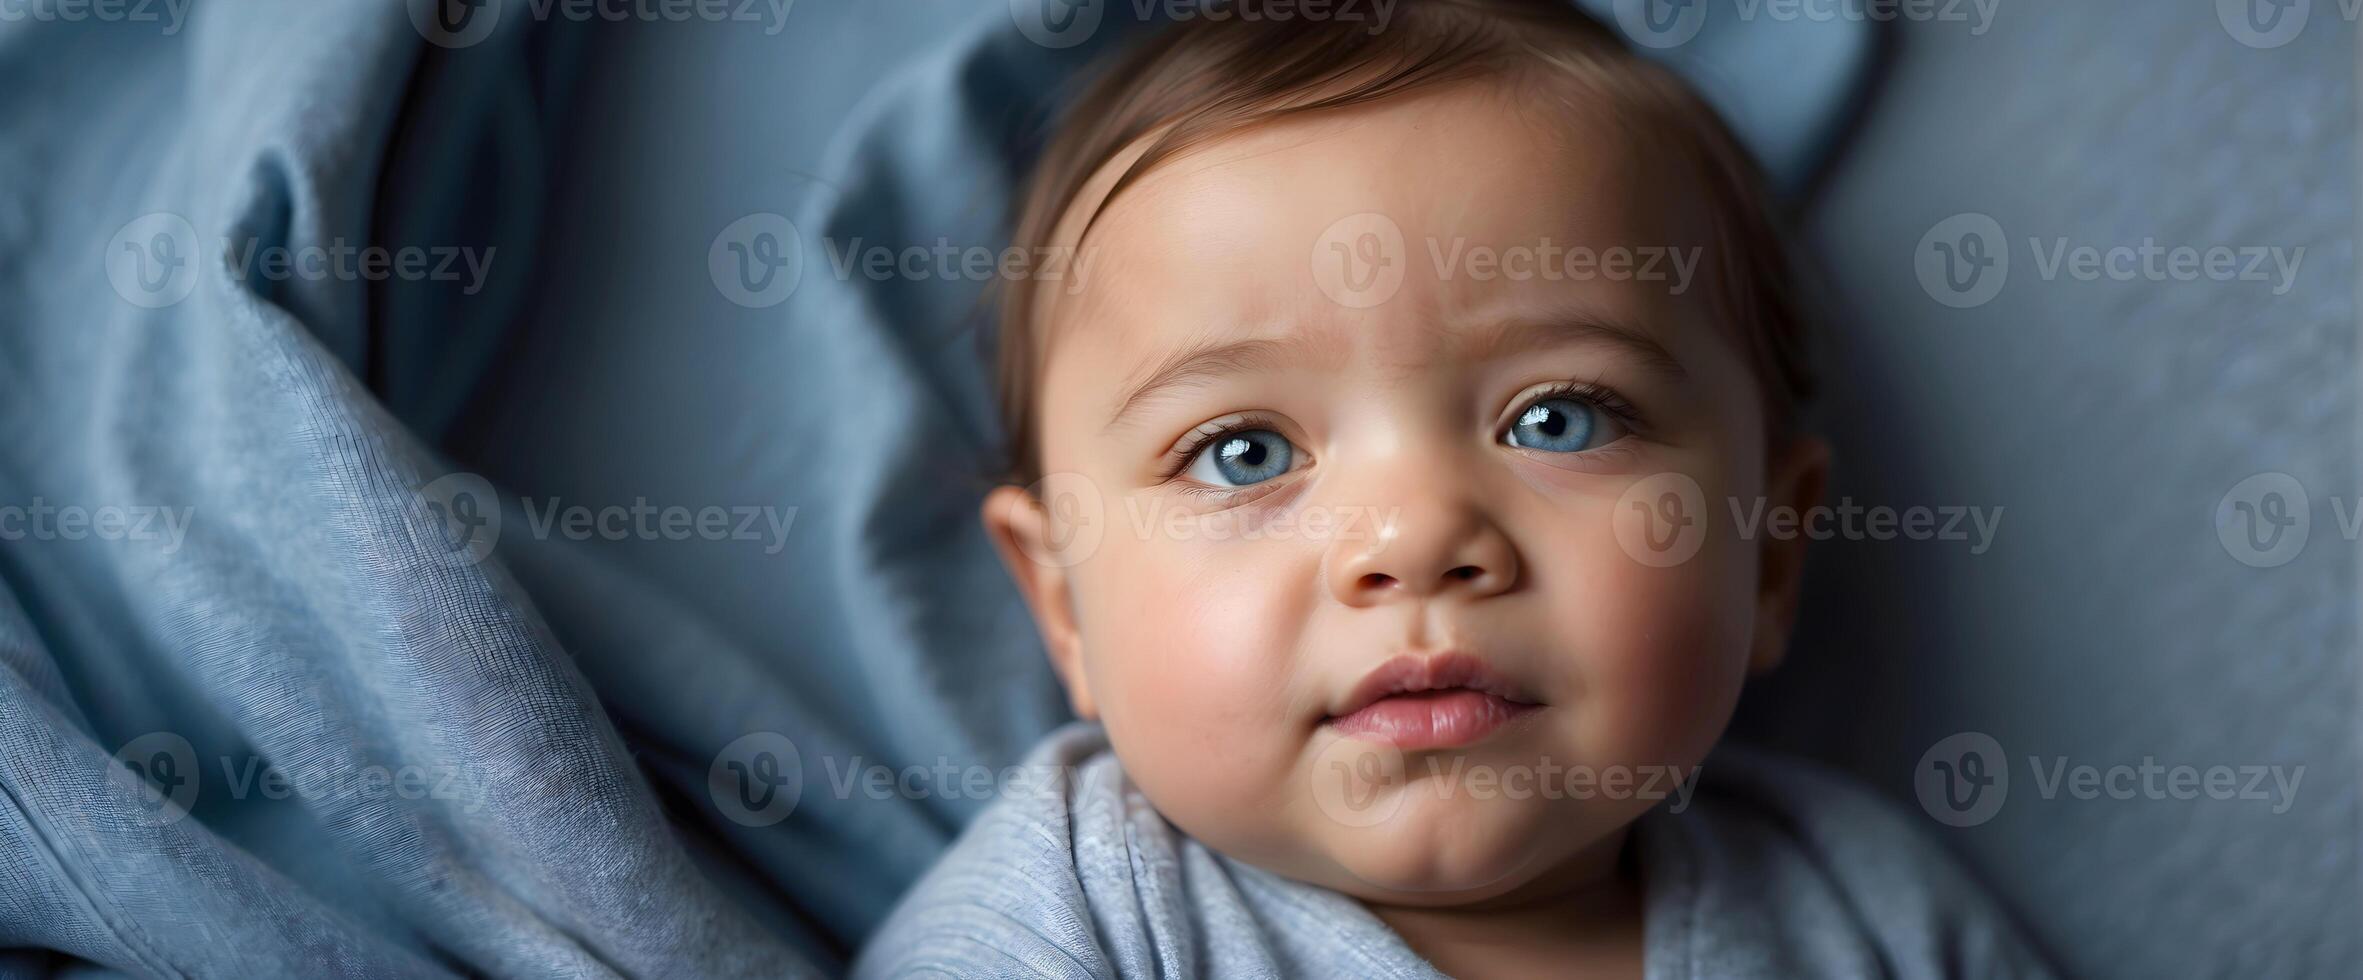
331,641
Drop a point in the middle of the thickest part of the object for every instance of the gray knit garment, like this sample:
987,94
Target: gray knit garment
1775,868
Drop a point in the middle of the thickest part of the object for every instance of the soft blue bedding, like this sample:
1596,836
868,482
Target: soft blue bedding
390,764
412,739
393,715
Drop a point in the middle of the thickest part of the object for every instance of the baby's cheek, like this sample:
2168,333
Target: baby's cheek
1664,653
1191,663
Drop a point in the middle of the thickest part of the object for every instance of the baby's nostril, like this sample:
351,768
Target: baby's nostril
1377,580
1466,572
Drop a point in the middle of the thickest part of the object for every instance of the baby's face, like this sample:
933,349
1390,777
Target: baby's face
1367,568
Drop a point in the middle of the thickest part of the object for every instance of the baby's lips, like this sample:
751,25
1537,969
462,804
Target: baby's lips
1414,672
1447,719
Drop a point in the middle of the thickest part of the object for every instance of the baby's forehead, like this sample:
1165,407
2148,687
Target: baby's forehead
1472,155
1438,187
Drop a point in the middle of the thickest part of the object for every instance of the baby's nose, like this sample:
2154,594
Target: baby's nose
1429,551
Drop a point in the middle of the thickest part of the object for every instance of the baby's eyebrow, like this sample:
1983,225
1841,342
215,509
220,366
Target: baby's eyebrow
1512,337
1208,359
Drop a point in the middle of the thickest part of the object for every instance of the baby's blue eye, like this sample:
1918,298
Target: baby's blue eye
1241,458
1555,425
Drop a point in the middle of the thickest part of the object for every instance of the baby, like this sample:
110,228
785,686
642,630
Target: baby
1366,496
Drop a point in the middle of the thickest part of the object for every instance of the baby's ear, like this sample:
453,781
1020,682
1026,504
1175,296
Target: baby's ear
1794,477
1021,533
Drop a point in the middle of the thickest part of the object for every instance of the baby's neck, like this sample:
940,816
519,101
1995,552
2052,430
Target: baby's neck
1584,919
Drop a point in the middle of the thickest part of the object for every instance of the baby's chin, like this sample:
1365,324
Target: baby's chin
1434,851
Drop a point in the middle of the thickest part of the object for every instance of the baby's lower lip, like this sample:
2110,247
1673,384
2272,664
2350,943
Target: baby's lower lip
1432,719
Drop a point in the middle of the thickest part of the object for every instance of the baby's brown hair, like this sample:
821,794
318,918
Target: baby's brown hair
1208,76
